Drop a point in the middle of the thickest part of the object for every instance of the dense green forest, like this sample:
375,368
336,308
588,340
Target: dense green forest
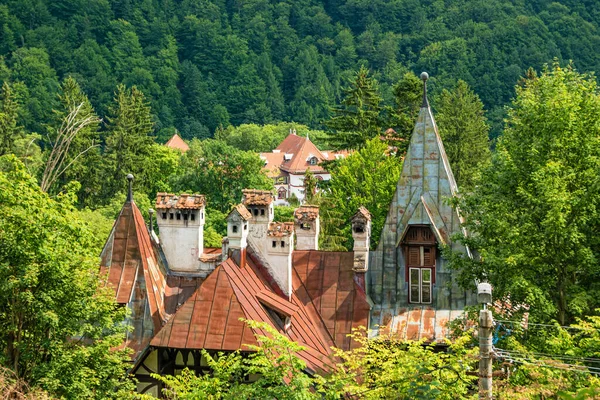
204,64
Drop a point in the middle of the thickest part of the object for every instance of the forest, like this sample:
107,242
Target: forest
207,64
91,89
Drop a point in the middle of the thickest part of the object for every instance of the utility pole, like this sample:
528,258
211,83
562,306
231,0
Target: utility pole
486,326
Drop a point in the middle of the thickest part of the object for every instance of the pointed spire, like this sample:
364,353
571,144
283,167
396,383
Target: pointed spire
424,77
130,192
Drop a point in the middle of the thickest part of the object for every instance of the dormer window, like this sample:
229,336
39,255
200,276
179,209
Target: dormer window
313,161
419,248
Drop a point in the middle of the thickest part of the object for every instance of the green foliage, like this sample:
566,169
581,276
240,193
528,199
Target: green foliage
220,172
464,131
366,178
284,214
257,138
278,370
310,186
358,117
59,327
128,142
408,98
533,215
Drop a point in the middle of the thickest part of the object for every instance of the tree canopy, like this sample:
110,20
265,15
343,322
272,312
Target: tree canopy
533,216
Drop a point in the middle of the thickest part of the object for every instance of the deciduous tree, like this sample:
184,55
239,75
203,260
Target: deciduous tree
533,216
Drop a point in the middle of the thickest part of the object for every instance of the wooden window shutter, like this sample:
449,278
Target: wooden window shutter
428,256
414,258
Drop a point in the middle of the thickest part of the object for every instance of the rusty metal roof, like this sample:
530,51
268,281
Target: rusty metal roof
280,229
306,213
176,142
127,257
209,319
335,290
183,201
256,197
419,322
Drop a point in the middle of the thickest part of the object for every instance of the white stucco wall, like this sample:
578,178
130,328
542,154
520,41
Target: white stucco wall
182,241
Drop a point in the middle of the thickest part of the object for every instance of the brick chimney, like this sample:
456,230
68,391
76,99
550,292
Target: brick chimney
306,227
361,233
180,220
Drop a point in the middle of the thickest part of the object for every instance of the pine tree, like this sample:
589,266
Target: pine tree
358,117
464,130
408,96
128,142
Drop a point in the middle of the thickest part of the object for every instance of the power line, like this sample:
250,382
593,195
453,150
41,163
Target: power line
519,323
564,367
587,359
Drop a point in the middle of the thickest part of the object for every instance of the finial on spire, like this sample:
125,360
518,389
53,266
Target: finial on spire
130,192
424,77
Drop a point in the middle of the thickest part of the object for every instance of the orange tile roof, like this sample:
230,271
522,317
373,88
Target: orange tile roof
182,201
272,163
210,318
280,229
362,213
302,149
306,213
242,211
256,197
335,290
176,142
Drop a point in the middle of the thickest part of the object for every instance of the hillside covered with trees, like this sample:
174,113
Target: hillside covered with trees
204,64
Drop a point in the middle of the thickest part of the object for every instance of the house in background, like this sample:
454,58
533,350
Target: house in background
176,142
288,163
185,297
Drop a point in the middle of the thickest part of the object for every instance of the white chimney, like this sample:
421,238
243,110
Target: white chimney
306,227
180,221
278,253
237,234
361,233
260,204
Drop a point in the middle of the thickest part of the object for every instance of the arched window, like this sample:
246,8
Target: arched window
313,161
282,194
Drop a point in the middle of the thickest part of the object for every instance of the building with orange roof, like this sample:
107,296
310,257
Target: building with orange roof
185,298
176,142
288,163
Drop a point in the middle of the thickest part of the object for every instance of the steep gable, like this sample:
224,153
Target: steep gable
421,200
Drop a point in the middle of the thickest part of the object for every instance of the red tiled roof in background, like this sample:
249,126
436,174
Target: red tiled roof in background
302,149
256,197
210,318
127,254
330,282
176,142
272,163
182,201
